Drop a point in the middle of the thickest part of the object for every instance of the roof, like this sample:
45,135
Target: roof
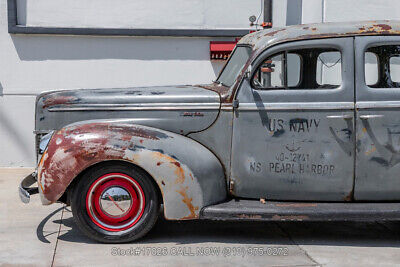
265,38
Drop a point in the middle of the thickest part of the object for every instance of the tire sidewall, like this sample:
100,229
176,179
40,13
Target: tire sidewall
85,223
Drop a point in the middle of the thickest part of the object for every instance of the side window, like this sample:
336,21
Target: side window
279,71
394,66
313,68
382,66
371,68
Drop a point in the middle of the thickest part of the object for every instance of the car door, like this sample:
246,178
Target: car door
293,130
378,118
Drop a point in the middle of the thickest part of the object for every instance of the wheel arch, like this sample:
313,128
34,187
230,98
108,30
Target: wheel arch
65,198
188,175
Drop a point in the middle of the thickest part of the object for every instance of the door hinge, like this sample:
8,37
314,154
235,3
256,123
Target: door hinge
235,103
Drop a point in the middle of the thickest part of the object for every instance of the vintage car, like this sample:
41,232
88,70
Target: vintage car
303,123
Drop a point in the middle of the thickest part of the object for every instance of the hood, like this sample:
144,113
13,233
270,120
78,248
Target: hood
180,109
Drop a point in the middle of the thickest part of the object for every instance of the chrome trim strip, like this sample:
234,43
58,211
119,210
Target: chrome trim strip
133,107
377,104
297,106
226,106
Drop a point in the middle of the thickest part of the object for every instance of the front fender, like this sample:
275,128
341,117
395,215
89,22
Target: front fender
189,176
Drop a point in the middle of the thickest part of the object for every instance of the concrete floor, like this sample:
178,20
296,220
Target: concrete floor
35,235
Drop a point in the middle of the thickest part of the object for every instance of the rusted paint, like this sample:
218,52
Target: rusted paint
58,100
179,172
297,205
222,90
75,148
349,197
272,33
290,217
188,202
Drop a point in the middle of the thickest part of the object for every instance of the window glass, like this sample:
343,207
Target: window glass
395,69
313,68
234,65
371,68
329,69
270,73
273,73
293,69
383,71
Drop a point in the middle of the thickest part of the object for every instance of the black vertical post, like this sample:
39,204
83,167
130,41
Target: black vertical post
267,14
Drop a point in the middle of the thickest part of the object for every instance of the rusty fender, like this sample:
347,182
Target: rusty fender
188,174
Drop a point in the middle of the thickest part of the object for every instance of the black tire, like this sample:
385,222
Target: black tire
87,225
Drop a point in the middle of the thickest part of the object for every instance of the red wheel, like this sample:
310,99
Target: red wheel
115,203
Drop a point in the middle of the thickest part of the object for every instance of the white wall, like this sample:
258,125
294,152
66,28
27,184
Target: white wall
31,64
197,14
349,10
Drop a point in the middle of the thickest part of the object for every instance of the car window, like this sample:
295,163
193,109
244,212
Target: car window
395,68
314,68
382,66
235,64
329,70
371,68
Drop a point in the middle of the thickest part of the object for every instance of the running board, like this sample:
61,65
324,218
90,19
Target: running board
300,211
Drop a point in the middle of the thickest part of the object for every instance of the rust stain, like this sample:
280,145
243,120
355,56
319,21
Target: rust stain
188,201
69,155
373,149
290,217
58,100
159,163
179,172
222,90
377,29
272,33
297,205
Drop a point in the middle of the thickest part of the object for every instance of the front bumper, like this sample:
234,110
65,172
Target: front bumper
24,189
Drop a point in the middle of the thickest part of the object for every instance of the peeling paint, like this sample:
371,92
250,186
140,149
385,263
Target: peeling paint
79,146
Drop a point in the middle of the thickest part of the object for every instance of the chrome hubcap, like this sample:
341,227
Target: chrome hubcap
115,201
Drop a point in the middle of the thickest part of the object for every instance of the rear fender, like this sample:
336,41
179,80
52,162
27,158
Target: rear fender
189,176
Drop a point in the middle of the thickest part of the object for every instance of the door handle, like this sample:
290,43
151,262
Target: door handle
366,117
344,117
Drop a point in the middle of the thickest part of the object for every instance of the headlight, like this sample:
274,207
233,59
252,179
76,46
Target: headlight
44,141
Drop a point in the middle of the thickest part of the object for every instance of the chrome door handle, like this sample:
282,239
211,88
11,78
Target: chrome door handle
344,117
366,117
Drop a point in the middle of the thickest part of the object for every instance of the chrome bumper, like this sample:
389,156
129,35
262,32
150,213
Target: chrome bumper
24,189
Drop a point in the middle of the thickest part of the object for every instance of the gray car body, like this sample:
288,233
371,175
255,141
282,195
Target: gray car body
235,137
